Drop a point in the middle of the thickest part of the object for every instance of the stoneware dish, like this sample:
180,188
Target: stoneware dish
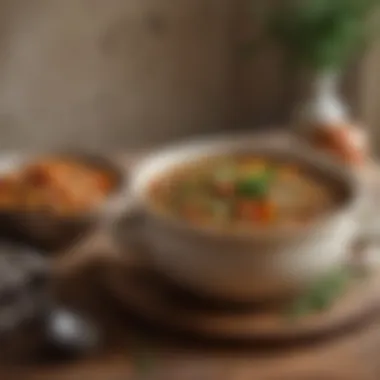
47,230
260,265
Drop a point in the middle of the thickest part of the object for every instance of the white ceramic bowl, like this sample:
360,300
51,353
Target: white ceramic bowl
241,267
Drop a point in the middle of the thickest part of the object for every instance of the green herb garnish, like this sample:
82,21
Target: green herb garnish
256,185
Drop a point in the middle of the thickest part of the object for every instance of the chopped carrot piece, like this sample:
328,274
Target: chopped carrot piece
261,212
267,211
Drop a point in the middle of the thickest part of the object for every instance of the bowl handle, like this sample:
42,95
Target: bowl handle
365,251
121,226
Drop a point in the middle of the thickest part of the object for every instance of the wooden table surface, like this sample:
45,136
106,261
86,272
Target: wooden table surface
354,356
350,357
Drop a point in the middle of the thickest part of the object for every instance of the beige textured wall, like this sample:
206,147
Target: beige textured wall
131,72
113,72
369,95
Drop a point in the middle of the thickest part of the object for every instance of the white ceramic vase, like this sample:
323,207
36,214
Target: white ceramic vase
322,106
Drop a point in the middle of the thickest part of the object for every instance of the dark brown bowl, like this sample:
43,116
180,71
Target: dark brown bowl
50,231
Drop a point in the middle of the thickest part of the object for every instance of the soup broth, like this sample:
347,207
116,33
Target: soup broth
242,192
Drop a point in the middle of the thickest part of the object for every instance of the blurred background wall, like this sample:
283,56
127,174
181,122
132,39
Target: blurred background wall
369,94
129,73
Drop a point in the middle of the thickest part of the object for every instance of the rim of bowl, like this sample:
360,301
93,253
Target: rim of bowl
253,143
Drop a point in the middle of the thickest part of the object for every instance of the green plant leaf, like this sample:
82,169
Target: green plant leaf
322,33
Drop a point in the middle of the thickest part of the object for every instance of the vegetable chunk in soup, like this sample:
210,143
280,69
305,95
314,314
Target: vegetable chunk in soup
242,192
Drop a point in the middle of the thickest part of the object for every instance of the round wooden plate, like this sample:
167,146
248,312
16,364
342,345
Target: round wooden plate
154,300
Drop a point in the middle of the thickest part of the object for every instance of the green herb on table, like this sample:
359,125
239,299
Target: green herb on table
322,294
